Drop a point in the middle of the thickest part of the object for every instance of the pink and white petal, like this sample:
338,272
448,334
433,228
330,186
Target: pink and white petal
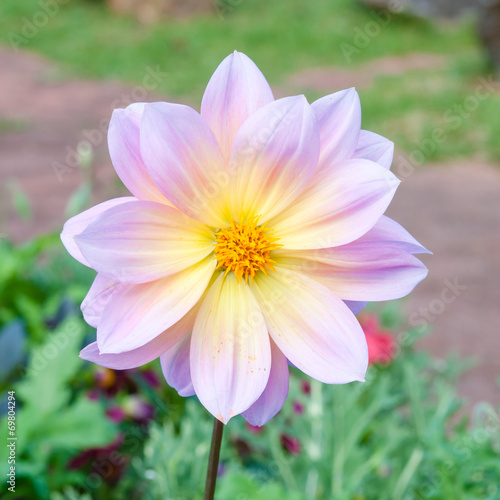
312,327
125,152
143,241
338,207
167,340
375,148
388,230
274,156
97,299
236,90
79,223
184,160
274,396
230,351
136,314
359,271
339,117
176,369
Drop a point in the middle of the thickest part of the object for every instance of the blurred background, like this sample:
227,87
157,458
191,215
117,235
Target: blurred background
428,77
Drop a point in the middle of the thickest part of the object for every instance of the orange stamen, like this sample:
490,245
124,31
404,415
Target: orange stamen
245,249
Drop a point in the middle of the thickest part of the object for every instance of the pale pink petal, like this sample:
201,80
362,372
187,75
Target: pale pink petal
374,147
184,160
97,299
230,351
355,307
274,396
78,224
236,90
167,340
338,207
274,156
136,314
125,152
312,327
387,230
360,271
339,117
175,367
143,241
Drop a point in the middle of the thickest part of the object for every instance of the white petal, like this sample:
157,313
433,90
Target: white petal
339,206
274,156
313,328
136,314
236,90
230,351
274,396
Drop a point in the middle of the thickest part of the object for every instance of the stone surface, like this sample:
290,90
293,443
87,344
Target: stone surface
454,210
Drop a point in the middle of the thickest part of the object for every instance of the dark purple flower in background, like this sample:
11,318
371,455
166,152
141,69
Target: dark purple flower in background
305,387
291,444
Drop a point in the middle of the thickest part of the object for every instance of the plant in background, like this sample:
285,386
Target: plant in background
255,232
52,423
397,436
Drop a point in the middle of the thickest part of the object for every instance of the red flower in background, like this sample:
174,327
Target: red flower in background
381,343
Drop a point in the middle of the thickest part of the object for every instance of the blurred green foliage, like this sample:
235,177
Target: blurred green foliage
52,421
393,437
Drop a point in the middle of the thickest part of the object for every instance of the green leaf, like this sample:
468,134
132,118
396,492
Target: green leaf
80,426
79,200
20,201
240,484
45,386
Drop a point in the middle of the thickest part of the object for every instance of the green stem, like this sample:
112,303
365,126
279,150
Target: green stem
213,460
316,442
339,450
407,474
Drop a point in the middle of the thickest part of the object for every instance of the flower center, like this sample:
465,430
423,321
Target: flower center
245,249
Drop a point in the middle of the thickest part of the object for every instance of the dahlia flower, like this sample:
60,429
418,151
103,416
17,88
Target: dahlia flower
254,233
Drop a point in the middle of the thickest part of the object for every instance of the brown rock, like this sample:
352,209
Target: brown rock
489,32
427,8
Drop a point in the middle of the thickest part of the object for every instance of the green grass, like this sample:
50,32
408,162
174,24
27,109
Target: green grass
7,126
282,36
413,107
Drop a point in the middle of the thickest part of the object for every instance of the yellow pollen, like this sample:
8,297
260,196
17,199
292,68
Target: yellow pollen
245,249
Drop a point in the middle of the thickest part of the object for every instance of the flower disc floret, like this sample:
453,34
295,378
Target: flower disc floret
245,248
